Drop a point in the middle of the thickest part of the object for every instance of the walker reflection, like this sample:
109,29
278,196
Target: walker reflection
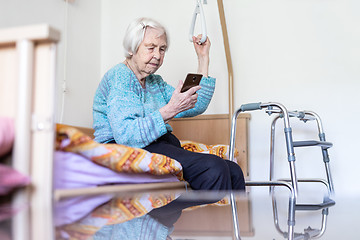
309,232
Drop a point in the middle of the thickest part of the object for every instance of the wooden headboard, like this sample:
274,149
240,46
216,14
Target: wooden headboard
215,129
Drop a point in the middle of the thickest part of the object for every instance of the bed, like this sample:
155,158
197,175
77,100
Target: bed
27,95
206,133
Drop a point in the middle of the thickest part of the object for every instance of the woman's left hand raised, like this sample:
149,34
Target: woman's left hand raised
202,51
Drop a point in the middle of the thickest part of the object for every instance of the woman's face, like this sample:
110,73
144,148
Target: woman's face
151,52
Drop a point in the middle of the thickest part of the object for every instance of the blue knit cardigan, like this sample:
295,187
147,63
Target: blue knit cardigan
129,114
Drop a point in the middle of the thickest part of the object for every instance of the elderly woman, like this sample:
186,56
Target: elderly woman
132,106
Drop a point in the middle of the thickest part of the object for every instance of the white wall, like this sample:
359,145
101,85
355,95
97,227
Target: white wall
302,53
23,12
82,61
81,69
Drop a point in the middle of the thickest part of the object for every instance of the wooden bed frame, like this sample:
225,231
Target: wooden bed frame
27,84
27,94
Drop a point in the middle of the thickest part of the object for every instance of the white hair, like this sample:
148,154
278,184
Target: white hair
135,34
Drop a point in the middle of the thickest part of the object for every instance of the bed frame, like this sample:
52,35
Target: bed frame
27,83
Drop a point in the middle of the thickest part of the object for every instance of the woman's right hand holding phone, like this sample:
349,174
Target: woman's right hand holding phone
179,102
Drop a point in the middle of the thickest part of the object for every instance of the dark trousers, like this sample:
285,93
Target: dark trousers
201,171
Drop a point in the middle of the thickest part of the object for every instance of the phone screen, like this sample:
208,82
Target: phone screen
192,80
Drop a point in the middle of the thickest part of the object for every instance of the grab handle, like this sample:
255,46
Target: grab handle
250,107
198,10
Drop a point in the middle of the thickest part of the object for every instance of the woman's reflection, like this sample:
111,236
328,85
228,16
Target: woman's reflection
146,216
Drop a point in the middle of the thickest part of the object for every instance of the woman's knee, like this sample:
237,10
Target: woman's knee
210,172
215,174
215,164
237,176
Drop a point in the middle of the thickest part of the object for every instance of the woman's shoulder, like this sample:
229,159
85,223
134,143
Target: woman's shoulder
120,76
119,68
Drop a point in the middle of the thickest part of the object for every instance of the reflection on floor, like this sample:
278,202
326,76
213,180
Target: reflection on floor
260,215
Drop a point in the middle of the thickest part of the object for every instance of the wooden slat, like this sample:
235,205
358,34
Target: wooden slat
38,33
211,117
119,188
43,102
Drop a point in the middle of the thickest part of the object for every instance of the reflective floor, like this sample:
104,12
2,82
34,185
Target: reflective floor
181,215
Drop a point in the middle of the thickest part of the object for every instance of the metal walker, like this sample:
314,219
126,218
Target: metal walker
292,183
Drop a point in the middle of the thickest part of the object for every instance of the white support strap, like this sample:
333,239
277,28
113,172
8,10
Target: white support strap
198,10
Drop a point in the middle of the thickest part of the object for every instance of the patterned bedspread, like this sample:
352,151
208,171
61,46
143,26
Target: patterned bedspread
117,157
121,158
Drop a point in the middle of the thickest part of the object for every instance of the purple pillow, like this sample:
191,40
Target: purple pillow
10,179
72,170
7,133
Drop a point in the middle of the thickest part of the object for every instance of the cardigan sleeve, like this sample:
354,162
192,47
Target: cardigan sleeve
204,97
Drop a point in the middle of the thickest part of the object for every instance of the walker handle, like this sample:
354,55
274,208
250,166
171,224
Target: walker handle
250,106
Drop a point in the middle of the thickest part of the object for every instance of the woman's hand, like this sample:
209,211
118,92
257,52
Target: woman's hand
179,102
202,51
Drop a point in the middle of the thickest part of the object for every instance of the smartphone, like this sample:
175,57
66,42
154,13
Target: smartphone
192,80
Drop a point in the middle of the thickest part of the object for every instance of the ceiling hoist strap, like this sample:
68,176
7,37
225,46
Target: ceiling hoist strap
198,10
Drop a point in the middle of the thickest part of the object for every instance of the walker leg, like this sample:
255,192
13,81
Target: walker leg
235,217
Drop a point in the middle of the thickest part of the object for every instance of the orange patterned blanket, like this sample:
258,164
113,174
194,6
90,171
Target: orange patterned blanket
119,158
125,159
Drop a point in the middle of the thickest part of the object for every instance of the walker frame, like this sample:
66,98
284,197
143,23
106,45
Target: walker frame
282,112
